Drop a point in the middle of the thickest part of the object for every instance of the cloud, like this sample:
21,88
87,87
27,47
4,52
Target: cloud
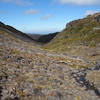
46,17
80,2
18,2
31,12
90,12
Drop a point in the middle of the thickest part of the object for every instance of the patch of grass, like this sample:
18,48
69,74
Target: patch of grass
78,66
81,31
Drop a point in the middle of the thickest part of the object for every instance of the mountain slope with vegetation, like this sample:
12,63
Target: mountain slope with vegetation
78,36
16,33
28,72
47,38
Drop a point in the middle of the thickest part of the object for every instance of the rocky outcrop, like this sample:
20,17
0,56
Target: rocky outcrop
97,16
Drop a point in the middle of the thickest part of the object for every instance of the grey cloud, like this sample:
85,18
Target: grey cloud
31,12
46,17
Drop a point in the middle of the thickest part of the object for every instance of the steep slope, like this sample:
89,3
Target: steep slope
80,37
16,33
30,73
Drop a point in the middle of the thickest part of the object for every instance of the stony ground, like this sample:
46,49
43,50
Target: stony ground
30,73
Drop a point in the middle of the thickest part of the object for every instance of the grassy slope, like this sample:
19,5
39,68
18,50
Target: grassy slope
79,32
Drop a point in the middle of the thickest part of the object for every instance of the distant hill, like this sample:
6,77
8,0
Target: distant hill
43,38
35,36
78,35
47,38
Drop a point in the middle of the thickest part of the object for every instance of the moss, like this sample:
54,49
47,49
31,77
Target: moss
78,66
94,62
77,98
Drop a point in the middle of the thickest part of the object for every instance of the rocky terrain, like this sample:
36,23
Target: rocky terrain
29,72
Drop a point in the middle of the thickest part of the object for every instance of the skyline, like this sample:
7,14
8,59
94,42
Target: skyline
32,16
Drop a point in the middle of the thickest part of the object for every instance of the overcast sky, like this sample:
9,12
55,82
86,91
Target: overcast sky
44,16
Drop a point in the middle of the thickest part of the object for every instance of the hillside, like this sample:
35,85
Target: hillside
28,72
80,37
16,33
45,38
35,36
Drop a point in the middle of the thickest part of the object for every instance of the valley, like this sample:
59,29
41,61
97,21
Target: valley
65,68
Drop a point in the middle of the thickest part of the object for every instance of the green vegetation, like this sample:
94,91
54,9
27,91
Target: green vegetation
77,33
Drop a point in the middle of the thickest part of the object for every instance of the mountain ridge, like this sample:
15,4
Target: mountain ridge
18,34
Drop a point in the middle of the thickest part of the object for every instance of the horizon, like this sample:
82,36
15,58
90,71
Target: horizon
40,17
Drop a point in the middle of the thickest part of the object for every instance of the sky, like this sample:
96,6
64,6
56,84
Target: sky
45,16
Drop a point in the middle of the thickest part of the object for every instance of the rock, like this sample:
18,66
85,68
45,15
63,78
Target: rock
37,92
58,96
1,88
97,18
